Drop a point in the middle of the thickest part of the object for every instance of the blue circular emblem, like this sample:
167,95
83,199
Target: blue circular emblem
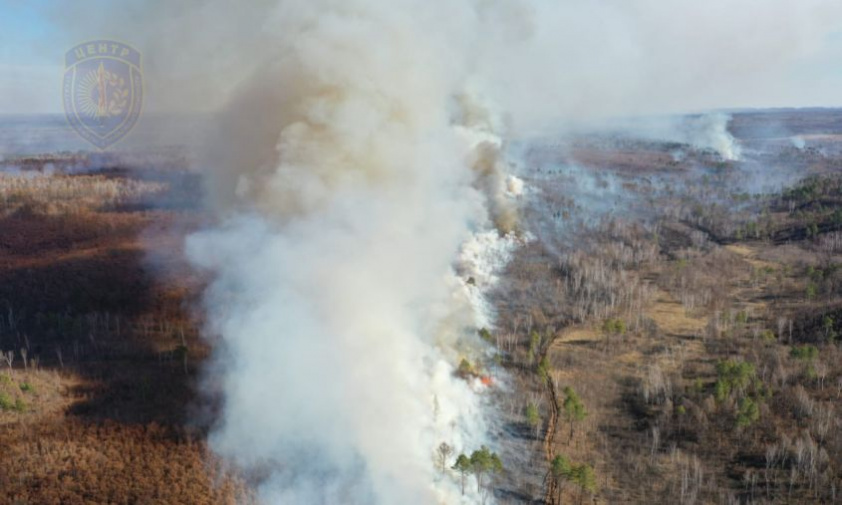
103,90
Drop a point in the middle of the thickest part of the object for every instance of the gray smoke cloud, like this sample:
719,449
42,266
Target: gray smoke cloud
551,62
587,61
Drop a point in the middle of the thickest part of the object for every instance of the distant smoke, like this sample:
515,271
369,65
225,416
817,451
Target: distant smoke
710,131
706,132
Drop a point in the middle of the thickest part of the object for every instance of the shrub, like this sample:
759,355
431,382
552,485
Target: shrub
748,413
486,335
534,343
828,328
733,376
614,327
533,418
584,477
544,369
561,467
466,369
804,352
7,404
574,409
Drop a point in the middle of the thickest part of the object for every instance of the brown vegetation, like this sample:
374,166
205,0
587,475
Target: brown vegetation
100,347
701,331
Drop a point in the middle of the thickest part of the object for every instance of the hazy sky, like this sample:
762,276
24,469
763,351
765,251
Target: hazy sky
35,34
30,75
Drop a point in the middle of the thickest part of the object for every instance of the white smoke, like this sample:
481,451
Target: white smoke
710,131
333,369
703,131
481,260
591,60
335,295
707,132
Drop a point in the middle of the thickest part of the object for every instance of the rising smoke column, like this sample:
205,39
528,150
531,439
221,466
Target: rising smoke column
345,187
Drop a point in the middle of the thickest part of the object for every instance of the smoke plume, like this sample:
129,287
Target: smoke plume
342,213
706,132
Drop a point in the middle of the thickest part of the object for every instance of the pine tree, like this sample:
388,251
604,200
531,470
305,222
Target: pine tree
574,409
463,466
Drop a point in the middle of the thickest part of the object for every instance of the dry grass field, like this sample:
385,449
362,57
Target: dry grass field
97,324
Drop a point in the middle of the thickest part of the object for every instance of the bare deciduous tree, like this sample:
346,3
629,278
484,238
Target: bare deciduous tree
443,451
9,358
